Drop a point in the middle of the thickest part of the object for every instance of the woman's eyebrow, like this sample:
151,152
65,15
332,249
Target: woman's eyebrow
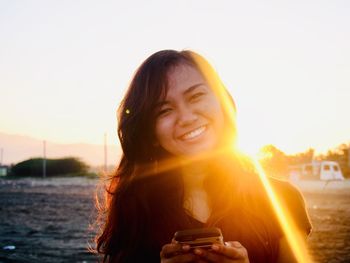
192,88
187,91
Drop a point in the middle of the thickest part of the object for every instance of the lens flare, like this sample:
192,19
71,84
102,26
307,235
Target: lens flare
295,238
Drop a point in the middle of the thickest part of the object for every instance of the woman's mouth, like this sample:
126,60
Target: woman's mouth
194,133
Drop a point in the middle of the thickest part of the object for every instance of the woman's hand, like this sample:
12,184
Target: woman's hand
172,253
232,252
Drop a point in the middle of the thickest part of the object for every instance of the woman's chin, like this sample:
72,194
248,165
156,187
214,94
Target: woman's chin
201,150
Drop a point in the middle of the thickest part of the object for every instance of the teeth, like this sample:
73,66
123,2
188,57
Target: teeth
194,133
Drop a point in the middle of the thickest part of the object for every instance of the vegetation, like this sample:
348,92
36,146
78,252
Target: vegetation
277,163
274,161
54,167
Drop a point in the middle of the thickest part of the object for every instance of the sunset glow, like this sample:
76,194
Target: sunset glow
62,80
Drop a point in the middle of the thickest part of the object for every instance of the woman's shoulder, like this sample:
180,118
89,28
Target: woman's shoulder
285,188
288,193
293,200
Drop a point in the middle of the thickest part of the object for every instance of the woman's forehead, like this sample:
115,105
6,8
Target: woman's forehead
182,77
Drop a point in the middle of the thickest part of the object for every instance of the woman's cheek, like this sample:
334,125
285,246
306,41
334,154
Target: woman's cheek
209,108
165,127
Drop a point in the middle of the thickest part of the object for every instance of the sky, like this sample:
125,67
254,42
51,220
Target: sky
65,65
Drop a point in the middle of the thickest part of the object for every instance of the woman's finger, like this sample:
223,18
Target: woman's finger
169,250
233,249
232,252
208,255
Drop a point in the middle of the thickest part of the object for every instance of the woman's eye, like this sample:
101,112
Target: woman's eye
197,96
163,112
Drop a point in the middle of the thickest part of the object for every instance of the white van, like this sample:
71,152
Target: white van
317,170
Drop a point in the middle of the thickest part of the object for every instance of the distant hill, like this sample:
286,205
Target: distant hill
17,148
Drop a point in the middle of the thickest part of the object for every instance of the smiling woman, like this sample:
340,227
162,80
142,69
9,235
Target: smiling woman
179,171
191,119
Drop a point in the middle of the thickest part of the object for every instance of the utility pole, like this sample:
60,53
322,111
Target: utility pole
105,152
44,159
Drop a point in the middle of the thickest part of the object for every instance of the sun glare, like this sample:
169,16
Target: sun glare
294,238
263,154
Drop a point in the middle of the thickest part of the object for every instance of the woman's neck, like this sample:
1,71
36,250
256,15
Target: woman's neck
194,176
195,197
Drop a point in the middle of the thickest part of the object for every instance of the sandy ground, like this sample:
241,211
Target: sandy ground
50,220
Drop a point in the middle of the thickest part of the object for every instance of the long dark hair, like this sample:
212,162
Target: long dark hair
143,212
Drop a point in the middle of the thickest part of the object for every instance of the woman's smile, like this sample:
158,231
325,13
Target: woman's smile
194,134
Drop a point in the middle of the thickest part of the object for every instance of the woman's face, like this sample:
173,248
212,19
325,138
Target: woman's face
190,120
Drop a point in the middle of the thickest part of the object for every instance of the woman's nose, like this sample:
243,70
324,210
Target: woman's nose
186,116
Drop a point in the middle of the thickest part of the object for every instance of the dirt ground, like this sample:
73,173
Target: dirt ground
50,220
329,210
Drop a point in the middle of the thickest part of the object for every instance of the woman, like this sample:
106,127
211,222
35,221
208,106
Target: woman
179,171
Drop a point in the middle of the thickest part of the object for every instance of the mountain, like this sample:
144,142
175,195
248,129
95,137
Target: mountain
17,148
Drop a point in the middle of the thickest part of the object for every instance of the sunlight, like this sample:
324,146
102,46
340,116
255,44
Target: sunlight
250,147
295,240
262,154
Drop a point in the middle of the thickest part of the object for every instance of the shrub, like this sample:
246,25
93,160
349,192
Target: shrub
64,166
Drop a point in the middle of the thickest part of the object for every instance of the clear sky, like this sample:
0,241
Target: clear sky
64,65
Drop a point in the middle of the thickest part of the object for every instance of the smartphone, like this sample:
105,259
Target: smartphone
199,237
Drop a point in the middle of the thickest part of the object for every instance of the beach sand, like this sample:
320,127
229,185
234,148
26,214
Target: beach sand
51,220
